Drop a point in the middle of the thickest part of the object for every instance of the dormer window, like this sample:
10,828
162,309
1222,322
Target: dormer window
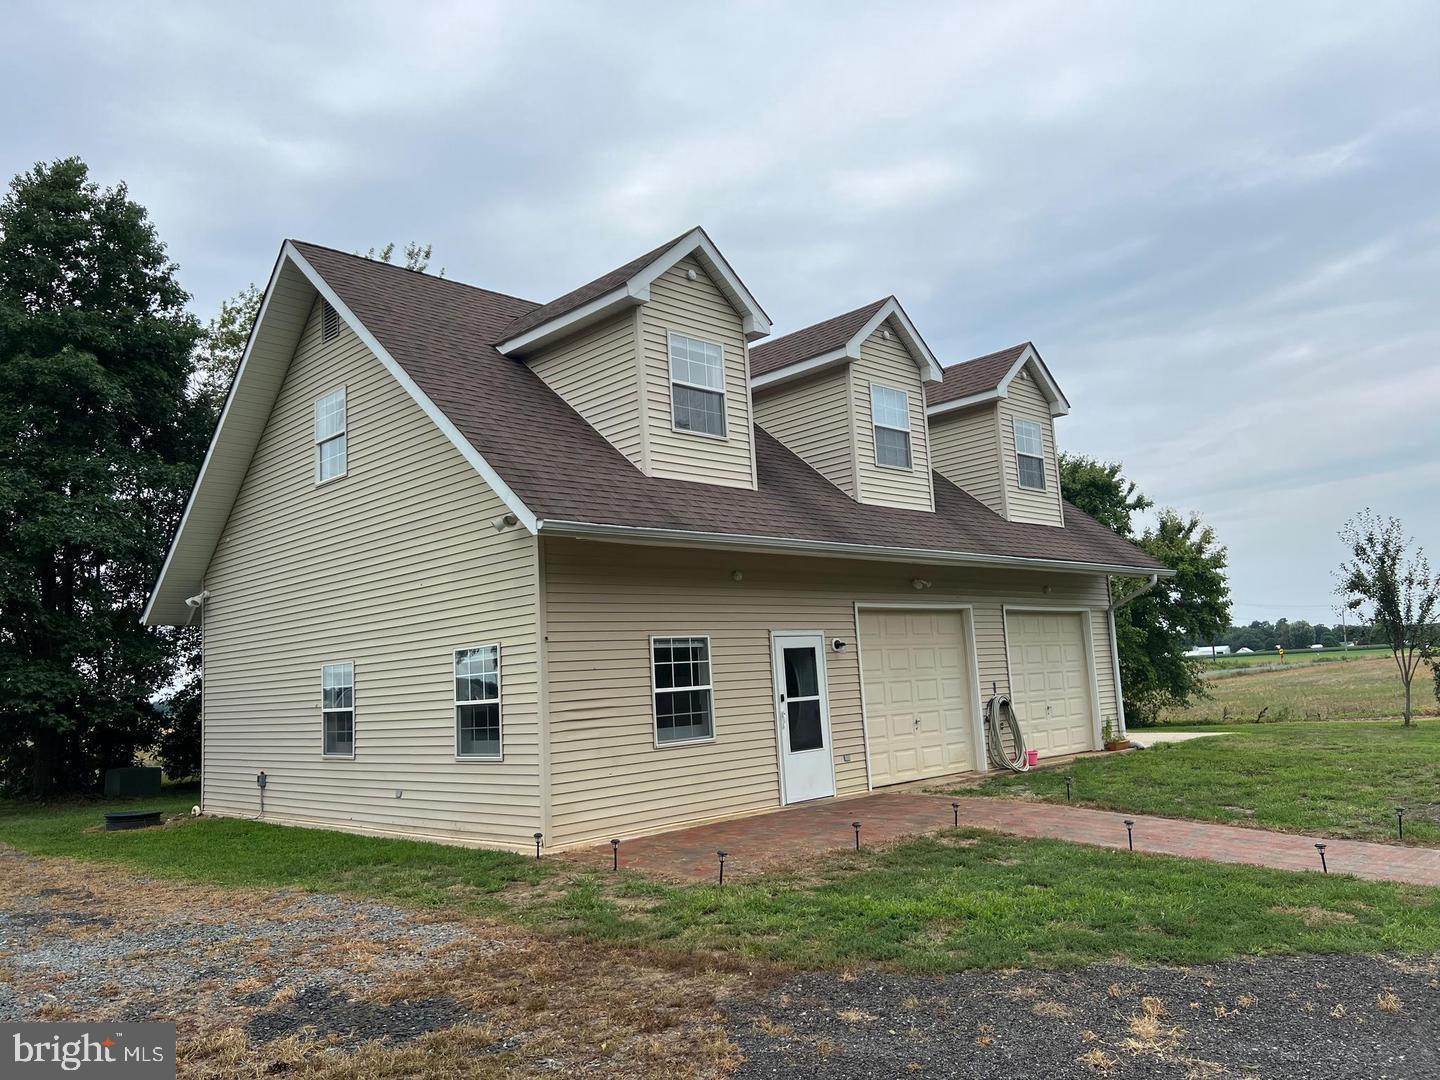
697,386
890,413
1030,454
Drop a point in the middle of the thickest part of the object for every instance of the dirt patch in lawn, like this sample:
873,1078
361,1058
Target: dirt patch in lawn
264,983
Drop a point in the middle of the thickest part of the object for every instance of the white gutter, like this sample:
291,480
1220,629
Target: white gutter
583,530
1116,605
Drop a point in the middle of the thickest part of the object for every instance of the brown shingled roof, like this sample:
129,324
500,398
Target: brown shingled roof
977,376
439,331
812,341
585,293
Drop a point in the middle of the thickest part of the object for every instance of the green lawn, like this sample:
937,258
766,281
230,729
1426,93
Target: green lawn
960,900
1340,690
1295,657
1332,779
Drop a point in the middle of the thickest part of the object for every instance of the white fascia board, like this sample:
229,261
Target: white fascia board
214,437
594,311
801,369
1059,404
963,403
930,369
754,321
627,534
512,501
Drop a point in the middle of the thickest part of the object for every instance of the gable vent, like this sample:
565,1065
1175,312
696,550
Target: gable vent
329,322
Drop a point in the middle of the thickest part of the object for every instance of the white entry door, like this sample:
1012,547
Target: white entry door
807,764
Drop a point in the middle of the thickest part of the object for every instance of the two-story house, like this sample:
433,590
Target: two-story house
469,567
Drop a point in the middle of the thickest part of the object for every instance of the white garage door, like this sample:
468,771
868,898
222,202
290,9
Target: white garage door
918,698
1050,681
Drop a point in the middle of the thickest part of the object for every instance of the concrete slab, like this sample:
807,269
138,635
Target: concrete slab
1155,738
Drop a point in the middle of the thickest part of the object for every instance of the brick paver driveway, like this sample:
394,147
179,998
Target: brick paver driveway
769,841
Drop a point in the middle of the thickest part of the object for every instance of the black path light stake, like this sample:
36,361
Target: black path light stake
1321,848
856,826
1400,820
539,839
614,854
955,806
1069,793
722,855
1130,833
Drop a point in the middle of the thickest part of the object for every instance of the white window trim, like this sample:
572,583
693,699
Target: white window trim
353,711
724,392
499,702
655,692
1015,422
344,430
875,425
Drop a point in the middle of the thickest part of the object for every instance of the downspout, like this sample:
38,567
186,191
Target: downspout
1116,605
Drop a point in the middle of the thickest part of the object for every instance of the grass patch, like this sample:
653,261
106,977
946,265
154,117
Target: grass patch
228,851
963,899
1341,780
1346,689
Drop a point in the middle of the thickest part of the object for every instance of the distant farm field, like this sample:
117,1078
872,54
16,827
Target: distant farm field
1298,657
1354,690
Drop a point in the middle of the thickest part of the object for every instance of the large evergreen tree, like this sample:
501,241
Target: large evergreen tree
1151,632
98,447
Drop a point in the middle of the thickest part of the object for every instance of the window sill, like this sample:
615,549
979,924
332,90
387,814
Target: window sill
337,757
481,759
896,468
683,742
331,479
700,434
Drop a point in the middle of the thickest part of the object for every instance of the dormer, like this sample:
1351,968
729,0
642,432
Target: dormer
848,396
992,433
655,356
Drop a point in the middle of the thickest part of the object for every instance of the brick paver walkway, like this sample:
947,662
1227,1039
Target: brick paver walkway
770,841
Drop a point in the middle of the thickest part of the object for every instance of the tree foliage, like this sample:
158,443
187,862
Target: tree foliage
98,445
1151,631
1390,577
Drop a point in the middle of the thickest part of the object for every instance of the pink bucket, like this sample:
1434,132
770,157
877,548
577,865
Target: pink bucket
1032,757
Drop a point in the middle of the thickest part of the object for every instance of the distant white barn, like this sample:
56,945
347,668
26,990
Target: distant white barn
1209,651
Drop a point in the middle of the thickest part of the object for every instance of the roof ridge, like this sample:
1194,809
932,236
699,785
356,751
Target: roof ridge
408,270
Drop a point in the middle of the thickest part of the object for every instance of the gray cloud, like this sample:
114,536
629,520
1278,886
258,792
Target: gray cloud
1220,225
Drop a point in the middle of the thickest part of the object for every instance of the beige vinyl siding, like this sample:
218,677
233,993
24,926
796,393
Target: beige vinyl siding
604,602
595,372
697,309
1026,402
965,449
391,567
812,418
887,362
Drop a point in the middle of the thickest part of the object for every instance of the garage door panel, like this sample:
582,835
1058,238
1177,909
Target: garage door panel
918,696
1050,682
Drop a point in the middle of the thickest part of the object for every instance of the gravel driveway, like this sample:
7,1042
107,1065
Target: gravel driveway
295,984
1307,1018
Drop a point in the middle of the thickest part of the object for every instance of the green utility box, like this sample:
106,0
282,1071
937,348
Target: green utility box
136,781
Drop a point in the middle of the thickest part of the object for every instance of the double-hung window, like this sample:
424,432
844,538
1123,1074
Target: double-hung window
330,456
1030,454
697,385
890,412
337,708
477,702
683,692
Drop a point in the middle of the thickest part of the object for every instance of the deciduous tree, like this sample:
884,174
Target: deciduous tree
1386,573
98,445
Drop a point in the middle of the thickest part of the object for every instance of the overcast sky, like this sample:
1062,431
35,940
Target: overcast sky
1220,224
